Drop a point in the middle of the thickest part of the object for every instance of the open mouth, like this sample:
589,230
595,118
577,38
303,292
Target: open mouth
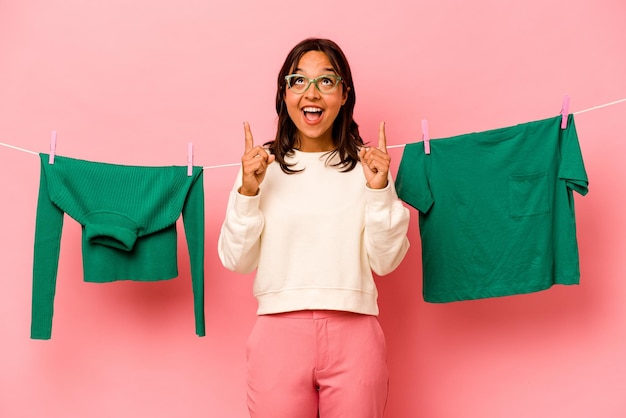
312,114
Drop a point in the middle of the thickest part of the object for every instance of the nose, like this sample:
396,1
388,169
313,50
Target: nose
312,92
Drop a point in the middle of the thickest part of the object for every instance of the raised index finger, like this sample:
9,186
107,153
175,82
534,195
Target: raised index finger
248,137
382,138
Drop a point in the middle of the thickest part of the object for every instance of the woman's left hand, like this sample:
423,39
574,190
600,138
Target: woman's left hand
375,161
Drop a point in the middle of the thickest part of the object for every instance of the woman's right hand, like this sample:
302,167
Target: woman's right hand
254,164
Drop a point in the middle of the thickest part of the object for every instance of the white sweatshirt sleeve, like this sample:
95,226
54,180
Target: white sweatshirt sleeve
239,244
386,226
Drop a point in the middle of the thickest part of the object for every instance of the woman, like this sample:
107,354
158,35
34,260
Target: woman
314,212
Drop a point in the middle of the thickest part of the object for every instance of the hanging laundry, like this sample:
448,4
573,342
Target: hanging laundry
496,209
128,216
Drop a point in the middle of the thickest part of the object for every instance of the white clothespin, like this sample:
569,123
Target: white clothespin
53,147
190,158
425,136
564,111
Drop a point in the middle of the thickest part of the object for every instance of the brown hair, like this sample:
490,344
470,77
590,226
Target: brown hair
345,130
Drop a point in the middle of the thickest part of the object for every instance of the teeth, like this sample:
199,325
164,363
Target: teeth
312,109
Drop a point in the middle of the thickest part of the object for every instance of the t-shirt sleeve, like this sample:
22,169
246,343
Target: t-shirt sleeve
412,180
572,168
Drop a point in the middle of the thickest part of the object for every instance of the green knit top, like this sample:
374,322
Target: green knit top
128,216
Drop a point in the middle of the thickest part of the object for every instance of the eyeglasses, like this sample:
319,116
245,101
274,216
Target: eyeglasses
326,83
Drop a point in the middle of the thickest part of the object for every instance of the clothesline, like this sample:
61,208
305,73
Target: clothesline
389,146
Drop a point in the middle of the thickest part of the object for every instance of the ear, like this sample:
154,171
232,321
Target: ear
346,91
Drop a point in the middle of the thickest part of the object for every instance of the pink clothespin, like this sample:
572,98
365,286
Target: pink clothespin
53,147
189,158
425,136
564,111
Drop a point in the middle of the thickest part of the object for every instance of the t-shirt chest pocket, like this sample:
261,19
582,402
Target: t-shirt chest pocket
529,195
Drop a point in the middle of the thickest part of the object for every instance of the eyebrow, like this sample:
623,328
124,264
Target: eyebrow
328,69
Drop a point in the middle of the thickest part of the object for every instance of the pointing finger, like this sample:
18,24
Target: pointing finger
249,141
382,138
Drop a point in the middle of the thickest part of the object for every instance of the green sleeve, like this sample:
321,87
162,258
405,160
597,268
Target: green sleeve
412,182
572,169
48,227
193,219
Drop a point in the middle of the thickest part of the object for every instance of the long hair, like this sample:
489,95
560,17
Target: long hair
345,131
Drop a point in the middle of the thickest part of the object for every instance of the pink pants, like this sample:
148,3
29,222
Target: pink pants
309,362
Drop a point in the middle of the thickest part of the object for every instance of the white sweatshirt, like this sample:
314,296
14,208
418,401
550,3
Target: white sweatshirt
314,237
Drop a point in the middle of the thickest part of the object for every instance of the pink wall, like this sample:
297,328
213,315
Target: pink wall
132,82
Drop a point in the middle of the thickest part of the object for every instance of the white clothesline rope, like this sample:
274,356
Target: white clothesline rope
600,106
389,146
574,113
18,148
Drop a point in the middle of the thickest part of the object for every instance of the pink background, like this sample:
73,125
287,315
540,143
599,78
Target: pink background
132,82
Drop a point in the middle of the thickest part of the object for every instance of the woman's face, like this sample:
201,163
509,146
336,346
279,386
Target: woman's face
312,112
